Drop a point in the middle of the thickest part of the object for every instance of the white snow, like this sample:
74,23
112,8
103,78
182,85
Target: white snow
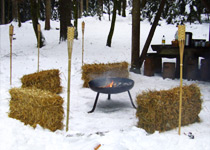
113,124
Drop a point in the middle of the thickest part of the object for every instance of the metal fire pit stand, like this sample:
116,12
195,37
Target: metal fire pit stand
109,97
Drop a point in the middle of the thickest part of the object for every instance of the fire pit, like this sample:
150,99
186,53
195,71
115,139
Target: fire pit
111,86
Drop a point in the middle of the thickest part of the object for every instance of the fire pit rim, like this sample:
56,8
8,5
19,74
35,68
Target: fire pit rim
98,85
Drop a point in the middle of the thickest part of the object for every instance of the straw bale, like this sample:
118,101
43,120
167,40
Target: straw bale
92,71
159,110
45,80
34,106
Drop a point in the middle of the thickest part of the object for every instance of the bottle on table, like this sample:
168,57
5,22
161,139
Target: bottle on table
163,40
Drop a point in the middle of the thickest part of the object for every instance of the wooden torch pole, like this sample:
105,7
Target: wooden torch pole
70,37
83,30
181,39
11,29
38,43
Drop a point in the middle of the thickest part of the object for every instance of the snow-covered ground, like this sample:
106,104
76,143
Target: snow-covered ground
113,124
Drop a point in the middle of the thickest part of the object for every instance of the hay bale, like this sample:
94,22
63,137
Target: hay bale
45,80
35,106
159,110
92,71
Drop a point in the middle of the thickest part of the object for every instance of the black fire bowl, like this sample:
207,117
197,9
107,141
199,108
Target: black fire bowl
119,85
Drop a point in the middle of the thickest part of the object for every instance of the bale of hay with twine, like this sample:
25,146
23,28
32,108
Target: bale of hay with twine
92,71
34,106
45,80
159,110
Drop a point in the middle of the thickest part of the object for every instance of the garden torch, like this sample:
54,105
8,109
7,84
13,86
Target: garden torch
11,29
181,39
70,37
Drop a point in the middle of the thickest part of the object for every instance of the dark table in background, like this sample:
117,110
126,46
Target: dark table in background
191,54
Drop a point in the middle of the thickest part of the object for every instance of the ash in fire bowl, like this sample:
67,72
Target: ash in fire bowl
111,85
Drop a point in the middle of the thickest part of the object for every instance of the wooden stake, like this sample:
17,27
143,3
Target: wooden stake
83,30
11,29
181,39
70,37
38,42
97,147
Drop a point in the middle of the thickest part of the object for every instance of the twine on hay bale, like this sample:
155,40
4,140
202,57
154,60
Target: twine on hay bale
34,106
159,110
92,71
45,80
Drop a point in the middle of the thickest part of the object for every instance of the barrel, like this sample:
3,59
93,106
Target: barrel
149,66
204,72
192,69
168,70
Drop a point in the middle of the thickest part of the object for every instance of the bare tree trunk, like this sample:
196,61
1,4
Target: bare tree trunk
151,33
81,7
34,15
135,48
48,15
119,6
2,11
87,5
19,19
124,8
206,4
109,39
75,5
65,18
15,10
8,11
100,9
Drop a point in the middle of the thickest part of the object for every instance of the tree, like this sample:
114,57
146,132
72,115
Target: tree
151,33
135,67
124,8
81,7
2,11
109,39
65,18
48,14
206,4
34,16
15,10
75,5
87,2
100,8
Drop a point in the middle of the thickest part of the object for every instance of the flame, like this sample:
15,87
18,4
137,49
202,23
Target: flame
110,85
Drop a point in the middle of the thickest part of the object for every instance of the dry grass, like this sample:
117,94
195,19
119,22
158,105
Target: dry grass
45,80
35,106
92,71
159,110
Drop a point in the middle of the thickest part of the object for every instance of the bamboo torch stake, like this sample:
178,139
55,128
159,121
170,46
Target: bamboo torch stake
11,29
38,42
181,39
70,37
83,30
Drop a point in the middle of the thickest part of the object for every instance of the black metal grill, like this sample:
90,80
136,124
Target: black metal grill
111,86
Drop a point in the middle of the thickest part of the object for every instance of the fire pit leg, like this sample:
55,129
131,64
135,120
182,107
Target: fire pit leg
94,106
131,100
109,96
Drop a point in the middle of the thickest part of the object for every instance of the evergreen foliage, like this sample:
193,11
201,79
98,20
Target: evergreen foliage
174,10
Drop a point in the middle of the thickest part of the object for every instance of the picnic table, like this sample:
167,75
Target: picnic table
191,56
